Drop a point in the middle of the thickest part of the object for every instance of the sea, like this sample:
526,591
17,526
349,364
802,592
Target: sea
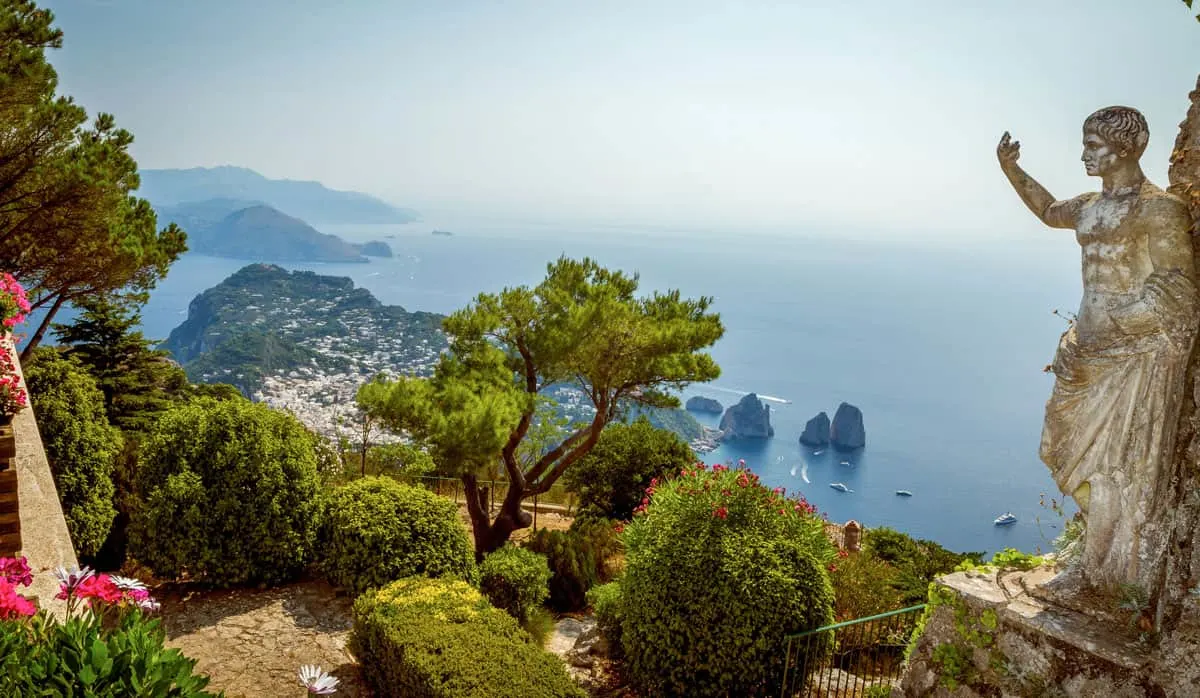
941,344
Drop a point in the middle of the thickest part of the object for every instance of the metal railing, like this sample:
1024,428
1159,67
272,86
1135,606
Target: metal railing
861,658
557,499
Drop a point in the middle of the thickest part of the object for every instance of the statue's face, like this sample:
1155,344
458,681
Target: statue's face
1099,156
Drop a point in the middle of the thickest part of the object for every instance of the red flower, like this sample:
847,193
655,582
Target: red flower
721,513
12,604
833,568
99,587
843,554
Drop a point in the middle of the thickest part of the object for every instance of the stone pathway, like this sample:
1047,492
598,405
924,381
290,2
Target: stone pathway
252,642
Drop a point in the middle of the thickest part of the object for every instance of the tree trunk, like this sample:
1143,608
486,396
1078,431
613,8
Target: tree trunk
41,330
1182,571
491,535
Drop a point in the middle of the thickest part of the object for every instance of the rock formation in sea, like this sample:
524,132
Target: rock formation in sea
704,404
816,431
847,432
748,419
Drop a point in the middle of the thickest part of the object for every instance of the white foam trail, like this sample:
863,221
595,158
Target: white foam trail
768,398
804,474
793,471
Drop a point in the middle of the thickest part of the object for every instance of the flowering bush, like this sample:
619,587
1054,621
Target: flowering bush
107,646
441,637
13,398
718,570
13,303
516,580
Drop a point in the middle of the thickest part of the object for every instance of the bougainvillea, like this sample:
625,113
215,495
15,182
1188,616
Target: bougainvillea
13,303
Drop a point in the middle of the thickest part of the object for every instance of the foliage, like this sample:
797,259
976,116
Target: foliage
605,601
917,562
516,580
378,530
577,558
719,570
581,325
80,444
1189,4
437,638
229,494
108,648
613,477
678,421
138,382
70,227
863,585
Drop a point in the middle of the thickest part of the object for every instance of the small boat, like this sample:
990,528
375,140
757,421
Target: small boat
904,493
845,462
1005,519
818,452
840,487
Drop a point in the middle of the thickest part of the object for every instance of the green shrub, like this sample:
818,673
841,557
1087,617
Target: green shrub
605,600
577,559
863,585
516,580
41,657
440,638
612,478
917,562
718,570
230,494
81,445
378,530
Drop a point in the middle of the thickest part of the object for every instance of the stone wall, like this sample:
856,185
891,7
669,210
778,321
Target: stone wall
45,541
999,633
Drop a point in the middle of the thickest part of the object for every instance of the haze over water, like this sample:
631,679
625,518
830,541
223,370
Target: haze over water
942,347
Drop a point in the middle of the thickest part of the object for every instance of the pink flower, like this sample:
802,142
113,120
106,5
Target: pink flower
16,571
99,587
12,604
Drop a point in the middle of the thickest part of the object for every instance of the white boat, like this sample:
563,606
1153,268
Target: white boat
818,452
845,462
840,487
1005,519
904,493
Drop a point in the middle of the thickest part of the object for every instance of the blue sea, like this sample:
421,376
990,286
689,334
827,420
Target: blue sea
942,345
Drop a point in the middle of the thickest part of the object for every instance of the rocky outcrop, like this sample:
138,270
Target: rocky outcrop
704,404
748,419
816,431
375,248
847,432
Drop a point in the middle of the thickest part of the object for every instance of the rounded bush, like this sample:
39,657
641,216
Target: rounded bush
378,530
421,637
606,605
516,580
230,494
81,445
718,570
578,559
613,476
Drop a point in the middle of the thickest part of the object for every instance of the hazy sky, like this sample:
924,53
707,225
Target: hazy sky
813,114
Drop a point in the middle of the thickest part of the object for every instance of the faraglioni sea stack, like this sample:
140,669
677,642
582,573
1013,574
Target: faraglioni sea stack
816,432
847,432
748,419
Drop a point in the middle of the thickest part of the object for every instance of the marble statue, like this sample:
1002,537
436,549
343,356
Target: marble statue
1111,421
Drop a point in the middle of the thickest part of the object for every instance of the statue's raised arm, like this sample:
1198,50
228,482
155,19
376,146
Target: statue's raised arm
1056,214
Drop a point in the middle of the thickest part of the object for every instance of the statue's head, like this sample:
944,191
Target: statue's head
1113,136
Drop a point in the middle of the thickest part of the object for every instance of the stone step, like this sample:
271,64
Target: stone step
10,544
8,481
10,522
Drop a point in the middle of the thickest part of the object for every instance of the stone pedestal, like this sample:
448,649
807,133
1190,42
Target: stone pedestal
1006,634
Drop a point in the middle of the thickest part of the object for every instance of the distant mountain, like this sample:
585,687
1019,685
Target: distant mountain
256,232
311,201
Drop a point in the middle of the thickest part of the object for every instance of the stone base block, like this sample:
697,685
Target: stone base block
1003,634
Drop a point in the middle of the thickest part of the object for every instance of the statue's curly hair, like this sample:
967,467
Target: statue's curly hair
1124,127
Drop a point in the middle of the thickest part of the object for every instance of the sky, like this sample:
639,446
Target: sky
807,115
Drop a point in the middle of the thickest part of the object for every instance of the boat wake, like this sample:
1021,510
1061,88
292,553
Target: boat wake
804,474
768,398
